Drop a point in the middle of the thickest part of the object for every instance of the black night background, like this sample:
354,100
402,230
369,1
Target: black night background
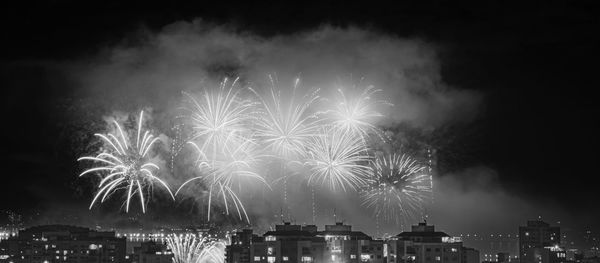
503,94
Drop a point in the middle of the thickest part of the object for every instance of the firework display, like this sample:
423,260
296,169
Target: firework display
219,117
338,159
236,133
356,114
190,248
124,166
398,187
287,124
226,171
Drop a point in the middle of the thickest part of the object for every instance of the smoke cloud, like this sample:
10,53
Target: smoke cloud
154,68
151,69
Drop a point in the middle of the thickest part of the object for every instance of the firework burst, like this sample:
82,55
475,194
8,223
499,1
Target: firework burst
357,114
225,173
125,166
189,248
398,188
338,159
285,126
219,117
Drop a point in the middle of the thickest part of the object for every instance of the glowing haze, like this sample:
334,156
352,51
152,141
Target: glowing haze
178,72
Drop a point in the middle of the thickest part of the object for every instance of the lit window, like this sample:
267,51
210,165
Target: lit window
271,259
454,249
270,251
256,258
365,257
270,238
352,256
438,258
285,258
306,259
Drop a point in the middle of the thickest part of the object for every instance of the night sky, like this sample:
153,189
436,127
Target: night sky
533,65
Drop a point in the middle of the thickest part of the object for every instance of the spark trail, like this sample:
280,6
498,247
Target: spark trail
286,125
338,159
189,248
125,166
357,114
398,188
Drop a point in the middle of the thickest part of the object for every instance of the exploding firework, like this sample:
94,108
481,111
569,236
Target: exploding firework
219,117
338,159
357,114
398,188
125,166
286,125
227,171
189,248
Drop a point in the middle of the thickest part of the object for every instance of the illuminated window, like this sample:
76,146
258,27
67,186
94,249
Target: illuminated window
270,251
306,259
256,258
352,256
365,257
271,259
270,238
454,249
438,258
285,258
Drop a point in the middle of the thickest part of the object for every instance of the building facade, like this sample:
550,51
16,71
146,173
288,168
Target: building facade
347,246
540,243
338,243
150,252
425,245
59,243
288,243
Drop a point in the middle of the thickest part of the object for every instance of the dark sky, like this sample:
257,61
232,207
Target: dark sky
535,63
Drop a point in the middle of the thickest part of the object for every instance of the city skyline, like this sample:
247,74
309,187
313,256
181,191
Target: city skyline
473,116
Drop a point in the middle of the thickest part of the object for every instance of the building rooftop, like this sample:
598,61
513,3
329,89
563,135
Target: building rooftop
423,233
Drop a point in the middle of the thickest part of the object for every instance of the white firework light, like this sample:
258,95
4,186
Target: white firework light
190,248
220,117
220,122
125,166
235,131
285,125
398,188
338,159
357,114
224,173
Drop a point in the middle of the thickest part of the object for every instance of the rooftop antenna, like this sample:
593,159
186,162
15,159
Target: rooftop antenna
281,214
334,216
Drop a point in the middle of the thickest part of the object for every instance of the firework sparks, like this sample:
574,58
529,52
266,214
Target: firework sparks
219,117
357,114
192,249
286,125
125,166
227,171
398,187
338,159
